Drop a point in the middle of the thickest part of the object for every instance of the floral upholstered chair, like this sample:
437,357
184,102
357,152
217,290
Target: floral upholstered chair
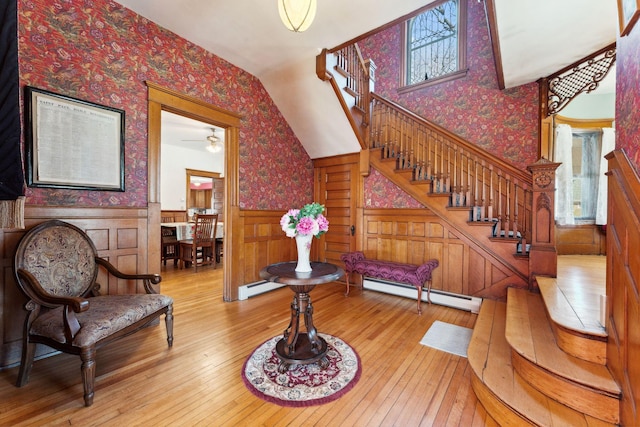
56,265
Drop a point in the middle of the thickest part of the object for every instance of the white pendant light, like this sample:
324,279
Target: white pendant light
297,15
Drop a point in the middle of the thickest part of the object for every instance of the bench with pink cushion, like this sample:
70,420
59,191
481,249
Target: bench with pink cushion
416,275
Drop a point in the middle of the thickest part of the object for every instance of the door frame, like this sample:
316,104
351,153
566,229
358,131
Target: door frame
160,99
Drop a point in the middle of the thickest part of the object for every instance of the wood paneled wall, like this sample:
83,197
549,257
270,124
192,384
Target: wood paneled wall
119,234
263,242
623,284
416,235
588,239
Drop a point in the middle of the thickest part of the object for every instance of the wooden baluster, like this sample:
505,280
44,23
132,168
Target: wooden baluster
421,152
429,155
387,137
515,208
500,213
490,213
447,185
436,159
508,211
477,192
456,190
469,183
373,134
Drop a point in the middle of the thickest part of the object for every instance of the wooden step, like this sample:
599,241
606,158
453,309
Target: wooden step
584,386
506,396
575,323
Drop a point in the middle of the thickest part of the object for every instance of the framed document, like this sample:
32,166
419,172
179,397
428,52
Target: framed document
72,143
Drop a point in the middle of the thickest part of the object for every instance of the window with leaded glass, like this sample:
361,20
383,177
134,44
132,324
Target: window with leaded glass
434,45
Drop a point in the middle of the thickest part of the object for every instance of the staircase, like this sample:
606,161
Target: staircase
486,200
528,366
522,376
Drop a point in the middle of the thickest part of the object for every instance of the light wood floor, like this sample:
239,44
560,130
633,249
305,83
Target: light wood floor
573,298
197,382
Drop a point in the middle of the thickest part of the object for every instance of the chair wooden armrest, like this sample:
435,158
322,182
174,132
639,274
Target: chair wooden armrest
77,303
147,279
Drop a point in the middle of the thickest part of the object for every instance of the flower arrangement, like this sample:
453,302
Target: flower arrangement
308,220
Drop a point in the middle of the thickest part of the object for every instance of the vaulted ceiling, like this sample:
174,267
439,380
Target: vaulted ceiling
535,38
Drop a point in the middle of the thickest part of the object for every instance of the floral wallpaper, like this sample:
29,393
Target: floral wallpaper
382,193
99,51
504,122
628,96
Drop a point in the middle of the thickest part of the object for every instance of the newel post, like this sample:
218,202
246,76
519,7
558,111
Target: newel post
543,258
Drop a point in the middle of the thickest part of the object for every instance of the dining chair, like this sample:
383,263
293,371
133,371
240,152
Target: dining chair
169,244
219,246
199,250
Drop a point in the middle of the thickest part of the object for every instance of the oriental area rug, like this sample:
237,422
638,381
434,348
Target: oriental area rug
302,385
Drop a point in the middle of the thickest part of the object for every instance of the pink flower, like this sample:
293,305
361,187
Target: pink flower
307,225
323,223
306,221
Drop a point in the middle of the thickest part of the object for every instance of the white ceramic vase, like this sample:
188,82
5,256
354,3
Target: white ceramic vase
303,243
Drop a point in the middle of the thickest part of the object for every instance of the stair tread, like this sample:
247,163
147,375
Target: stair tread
529,333
489,356
563,312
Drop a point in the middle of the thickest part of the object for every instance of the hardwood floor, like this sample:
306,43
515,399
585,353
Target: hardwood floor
139,381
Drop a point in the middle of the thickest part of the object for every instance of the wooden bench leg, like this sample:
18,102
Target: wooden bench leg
346,276
420,296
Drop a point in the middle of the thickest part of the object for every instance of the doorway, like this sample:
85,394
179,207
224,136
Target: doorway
161,99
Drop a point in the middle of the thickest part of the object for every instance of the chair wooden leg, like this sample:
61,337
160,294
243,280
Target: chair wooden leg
168,322
88,368
419,299
28,353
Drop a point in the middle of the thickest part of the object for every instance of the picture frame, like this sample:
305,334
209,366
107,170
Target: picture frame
71,143
628,14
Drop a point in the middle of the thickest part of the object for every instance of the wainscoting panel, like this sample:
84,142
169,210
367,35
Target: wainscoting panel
263,243
416,235
623,284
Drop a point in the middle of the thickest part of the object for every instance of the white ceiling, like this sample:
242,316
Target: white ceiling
536,37
185,132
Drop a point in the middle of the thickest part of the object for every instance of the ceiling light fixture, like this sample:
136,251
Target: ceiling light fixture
297,15
215,145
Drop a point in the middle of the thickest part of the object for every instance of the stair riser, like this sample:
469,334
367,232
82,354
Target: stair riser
595,403
499,411
580,345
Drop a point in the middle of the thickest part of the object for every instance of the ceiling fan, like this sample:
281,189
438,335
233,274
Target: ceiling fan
214,145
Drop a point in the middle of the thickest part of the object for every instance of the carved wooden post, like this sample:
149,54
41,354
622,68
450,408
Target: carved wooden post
543,258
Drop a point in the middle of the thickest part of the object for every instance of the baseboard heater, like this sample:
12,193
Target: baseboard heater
257,288
448,299
461,302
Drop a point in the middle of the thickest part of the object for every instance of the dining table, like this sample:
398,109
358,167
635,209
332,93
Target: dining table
184,230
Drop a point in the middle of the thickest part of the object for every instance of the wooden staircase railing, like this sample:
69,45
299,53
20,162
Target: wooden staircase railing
474,179
490,188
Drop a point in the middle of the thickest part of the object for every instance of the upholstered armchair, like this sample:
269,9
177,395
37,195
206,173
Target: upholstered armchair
56,265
